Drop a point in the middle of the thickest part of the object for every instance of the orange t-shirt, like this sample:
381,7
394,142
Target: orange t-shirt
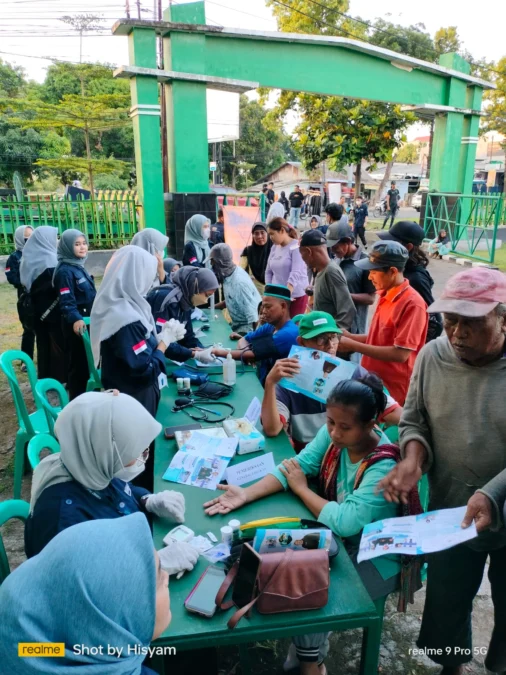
400,320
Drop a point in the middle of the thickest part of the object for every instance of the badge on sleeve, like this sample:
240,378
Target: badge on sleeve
162,380
140,347
64,291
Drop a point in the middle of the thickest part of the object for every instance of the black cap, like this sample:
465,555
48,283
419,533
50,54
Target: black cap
385,254
404,231
337,232
313,238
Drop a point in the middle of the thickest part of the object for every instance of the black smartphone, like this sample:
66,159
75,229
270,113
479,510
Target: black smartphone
246,580
171,431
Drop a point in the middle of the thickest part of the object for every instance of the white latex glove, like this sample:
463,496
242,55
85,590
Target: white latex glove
172,331
178,558
167,504
205,356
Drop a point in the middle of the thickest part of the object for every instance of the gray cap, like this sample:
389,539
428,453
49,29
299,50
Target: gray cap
385,254
338,231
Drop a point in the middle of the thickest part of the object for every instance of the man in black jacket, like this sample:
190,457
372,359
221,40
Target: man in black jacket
411,235
296,199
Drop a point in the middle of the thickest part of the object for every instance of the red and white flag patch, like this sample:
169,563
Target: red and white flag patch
63,291
161,322
140,347
7,269
192,260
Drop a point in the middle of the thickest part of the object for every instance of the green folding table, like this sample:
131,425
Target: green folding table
349,604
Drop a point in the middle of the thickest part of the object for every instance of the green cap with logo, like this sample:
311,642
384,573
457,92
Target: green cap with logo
315,323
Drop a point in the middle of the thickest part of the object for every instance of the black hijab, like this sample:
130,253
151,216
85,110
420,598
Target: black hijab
258,255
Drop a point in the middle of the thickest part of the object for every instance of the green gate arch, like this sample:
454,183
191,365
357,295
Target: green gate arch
197,56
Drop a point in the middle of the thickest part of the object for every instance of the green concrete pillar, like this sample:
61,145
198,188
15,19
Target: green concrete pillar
145,114
455,134
186,104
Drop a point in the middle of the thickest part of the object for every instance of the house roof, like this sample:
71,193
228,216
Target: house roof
421,139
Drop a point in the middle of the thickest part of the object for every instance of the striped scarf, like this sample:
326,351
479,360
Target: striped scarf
410,565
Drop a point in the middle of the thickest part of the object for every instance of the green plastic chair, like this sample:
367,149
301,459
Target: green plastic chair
39,443
41,389
95,381
30,424
12,508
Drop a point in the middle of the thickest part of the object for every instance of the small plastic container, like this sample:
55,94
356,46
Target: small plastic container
180,385
236,530
227,535
187,384
229,370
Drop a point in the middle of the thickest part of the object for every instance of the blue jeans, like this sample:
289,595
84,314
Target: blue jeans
294,216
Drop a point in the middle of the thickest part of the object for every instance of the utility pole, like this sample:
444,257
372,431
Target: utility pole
138,3
127,8
82,23
163,109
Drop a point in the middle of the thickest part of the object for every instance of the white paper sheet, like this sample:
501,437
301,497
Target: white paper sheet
252,469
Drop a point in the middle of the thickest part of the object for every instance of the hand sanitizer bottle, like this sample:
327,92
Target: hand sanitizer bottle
229,370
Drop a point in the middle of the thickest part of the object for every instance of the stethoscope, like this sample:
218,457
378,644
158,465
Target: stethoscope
185,402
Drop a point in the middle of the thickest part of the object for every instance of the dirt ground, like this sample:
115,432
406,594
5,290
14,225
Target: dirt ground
400,631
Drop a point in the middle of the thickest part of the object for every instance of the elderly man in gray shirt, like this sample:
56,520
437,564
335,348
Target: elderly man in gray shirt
454,428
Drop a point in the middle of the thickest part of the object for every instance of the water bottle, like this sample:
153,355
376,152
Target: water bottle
229,370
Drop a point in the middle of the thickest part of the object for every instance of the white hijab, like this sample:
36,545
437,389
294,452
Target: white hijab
151,240
120,299
39,254
276,210
99,433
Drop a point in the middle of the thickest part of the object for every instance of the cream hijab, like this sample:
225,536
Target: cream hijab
121,297
99,433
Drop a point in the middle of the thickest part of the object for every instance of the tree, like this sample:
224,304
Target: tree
12,80
346,131
82,23
408,154
262,146
495,119
85,114
446,40
411,40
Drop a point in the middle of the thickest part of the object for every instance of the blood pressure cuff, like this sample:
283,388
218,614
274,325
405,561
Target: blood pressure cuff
195,378
264,347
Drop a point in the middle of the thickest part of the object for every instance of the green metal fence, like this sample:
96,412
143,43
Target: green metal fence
471,222
108,223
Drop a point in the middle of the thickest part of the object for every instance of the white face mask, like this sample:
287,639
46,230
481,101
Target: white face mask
206,233
128,473
199,299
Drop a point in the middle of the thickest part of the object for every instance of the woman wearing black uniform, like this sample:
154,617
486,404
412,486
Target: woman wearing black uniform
123,334
77,293
36,275
21,236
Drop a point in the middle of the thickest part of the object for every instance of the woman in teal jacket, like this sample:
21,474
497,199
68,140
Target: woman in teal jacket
348,457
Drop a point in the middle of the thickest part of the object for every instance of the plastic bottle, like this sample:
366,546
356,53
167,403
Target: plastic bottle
229,368
236,530
227,535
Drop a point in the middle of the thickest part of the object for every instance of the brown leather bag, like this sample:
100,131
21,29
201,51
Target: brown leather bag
290,581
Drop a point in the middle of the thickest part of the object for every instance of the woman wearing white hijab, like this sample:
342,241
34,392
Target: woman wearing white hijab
104,439
123,333
21,236
276,210
98,583
154,242
196,241
36,274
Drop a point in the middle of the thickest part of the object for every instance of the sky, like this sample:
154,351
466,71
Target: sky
31,30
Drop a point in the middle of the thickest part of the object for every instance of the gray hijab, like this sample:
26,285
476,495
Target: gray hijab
65,250
318,221
193,280
222,261
169,264
193,232
121,298
39,254
99,433
151,240
19,237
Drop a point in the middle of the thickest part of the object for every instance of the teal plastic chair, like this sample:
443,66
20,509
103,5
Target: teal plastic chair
12,508
30,424
95,381
41,389
39,443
